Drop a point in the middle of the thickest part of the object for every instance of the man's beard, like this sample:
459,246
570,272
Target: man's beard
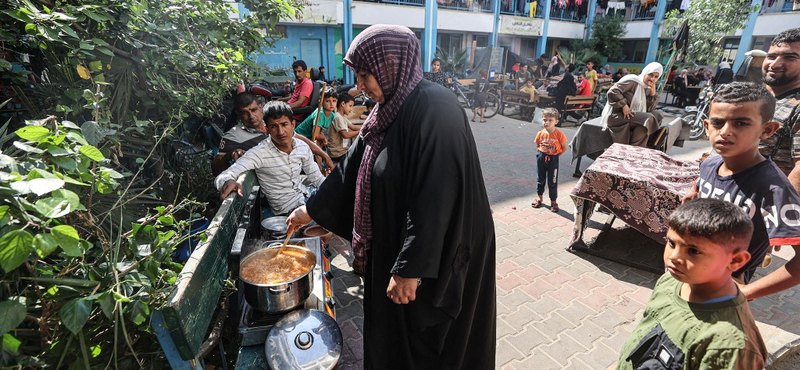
780,81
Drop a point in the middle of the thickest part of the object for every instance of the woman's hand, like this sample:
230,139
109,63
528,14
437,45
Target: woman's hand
627,112
298,218
402,290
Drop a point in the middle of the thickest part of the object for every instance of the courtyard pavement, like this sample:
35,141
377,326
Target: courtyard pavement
556,309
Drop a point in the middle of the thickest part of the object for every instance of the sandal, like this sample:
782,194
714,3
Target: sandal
536,203
554,208
483,121
473,120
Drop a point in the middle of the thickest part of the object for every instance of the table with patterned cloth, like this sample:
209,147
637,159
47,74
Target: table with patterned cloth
640,186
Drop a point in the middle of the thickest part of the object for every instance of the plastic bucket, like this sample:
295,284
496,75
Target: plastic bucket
186,248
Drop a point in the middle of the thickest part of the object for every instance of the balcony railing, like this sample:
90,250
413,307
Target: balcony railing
781,6
518,8
484,6
641,13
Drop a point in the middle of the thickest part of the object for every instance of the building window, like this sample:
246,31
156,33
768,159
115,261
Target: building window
633,51
481,41
505,42
450,42
527,47
730,48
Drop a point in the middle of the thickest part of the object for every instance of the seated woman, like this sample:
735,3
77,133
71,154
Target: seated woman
630,109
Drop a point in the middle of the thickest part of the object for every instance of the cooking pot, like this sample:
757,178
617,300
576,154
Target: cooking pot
274,228
285,296
304,340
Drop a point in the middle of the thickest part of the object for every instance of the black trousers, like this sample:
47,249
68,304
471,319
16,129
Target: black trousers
547,171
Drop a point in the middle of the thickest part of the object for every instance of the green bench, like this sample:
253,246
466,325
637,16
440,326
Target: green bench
182,324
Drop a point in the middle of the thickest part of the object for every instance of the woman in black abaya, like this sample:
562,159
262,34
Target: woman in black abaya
410,195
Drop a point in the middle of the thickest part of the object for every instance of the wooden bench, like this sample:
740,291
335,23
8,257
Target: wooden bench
518,99
578,103
182,324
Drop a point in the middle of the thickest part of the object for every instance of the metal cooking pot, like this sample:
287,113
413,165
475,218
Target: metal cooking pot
274,228
304,340
276,298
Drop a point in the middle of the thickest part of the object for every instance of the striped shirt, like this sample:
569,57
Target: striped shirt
278,173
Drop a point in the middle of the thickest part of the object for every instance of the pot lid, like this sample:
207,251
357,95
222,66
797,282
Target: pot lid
275,224
304,339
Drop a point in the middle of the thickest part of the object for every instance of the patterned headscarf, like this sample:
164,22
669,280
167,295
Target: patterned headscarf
392,55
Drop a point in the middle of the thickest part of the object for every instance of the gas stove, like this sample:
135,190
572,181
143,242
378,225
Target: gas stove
254,325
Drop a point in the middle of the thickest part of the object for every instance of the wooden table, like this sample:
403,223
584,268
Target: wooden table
639,186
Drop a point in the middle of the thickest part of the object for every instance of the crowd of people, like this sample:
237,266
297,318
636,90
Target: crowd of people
426,248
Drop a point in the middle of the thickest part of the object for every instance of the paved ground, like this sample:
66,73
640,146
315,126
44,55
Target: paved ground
556,309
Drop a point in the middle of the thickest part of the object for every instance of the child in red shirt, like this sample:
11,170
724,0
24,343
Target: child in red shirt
550,144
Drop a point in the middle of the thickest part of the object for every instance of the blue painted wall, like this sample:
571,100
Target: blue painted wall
282,54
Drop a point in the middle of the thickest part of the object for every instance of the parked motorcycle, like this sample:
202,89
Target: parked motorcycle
696,114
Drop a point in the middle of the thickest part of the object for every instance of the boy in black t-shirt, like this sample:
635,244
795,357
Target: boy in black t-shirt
479,95
739,117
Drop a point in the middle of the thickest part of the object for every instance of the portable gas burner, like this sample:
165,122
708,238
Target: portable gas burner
254,325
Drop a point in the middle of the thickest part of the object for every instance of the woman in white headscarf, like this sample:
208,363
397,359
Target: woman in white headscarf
630,112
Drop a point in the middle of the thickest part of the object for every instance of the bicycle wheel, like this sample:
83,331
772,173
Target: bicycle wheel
492,106
463,100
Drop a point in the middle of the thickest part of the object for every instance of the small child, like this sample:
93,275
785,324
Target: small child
697,318
341,131
740,117
306,128
369,104
550,144
479,95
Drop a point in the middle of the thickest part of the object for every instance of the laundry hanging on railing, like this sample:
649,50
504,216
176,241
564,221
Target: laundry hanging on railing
615,5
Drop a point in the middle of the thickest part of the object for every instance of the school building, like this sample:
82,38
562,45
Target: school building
321,33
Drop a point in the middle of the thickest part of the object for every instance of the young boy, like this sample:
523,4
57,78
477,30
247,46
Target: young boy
739,117
369,104
480,95
341,130
550,144
696,317
306,128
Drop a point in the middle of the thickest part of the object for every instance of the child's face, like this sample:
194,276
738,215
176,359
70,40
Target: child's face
549,123
346,107
697,260
735,129
329,104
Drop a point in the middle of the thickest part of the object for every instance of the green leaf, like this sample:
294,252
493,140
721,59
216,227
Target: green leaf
44,244
91,132
91,152
27,148
119,297
62,202
54,139
33,133
30,29
13,314
86,46
43,186
70,124
67,237
7,161
11,344
96,66
138,311
76,137
146,235
3,211
69,31
66,163
75,314
15,247
107,304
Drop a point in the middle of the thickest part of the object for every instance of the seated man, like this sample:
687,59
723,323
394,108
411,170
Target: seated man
301,96
280,181
584,86
252,130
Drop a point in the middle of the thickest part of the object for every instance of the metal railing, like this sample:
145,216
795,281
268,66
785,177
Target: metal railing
782,7
484,6
641,13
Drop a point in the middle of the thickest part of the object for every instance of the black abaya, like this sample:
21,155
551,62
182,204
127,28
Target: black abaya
431,219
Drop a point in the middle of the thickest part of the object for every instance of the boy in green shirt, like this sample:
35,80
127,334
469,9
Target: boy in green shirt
697,318
306,128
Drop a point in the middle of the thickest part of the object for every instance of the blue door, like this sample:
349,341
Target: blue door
311,52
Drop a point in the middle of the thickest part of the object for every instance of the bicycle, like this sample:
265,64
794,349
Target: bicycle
464,96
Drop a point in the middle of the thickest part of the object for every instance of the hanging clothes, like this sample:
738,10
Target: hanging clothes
685,4
533,8
617,5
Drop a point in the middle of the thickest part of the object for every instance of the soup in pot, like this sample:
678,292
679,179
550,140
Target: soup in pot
267,266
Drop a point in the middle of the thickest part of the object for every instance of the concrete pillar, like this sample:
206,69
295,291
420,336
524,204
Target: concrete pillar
541,46
652,47
496,27
746,41
347,37
429,34
590,19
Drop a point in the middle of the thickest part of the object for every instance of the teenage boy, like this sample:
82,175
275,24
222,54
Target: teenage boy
250,131
342,130
278,176
306,128
740,116
591,76
696,317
